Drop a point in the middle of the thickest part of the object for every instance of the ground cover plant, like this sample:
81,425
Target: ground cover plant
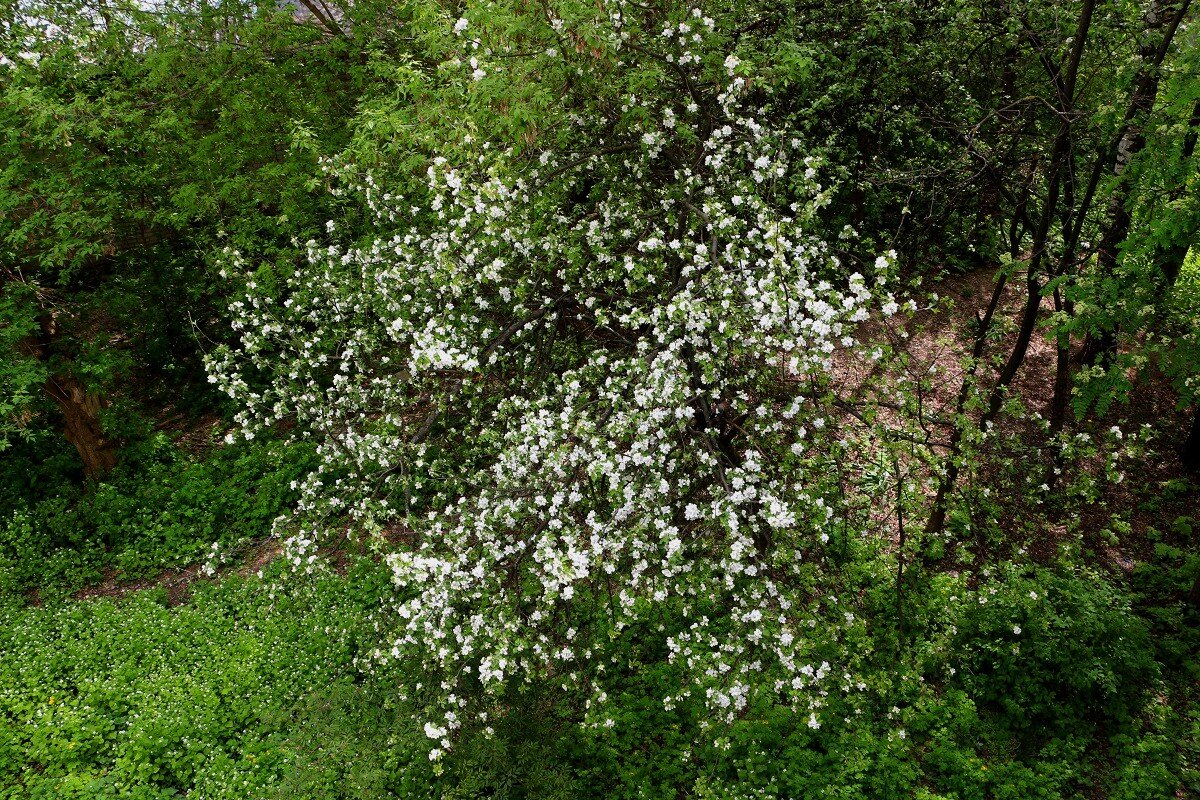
616,400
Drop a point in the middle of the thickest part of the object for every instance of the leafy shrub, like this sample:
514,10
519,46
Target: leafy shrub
40,549
170,510
1052,648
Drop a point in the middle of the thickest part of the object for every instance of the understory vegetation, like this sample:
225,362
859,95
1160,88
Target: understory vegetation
755,399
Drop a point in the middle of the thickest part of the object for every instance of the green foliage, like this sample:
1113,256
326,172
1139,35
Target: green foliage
169,508
935,725
1042,646
131,151
161,508
20,378
349,740
132,698
1051,649
250,690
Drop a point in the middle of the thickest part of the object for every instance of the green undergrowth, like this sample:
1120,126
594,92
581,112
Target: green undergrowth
132,698
1033,682
1014,680
162,507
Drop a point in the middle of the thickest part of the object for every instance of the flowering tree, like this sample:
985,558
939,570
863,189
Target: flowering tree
577,384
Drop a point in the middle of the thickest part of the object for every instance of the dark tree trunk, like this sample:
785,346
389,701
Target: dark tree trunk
1162,20
1064,82
79,407
937,514
1062,373
81,412
1189,451
1098,348
1169,256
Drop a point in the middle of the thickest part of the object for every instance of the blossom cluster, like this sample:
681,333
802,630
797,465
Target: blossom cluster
584,385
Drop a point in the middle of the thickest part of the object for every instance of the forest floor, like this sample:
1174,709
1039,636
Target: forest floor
932,347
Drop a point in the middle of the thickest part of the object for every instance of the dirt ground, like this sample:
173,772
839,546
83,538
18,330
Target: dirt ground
935,342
